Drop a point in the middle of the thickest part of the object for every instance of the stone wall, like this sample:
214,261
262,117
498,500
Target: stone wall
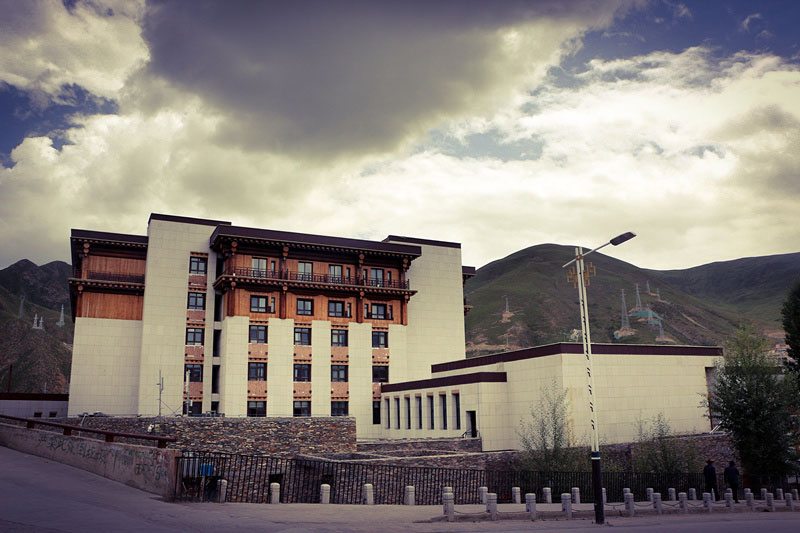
146,468
453,445
268,436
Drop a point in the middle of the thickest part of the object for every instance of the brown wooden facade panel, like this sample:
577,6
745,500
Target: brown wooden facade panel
339,391
110,305
257,352
115,265
256,389
302,390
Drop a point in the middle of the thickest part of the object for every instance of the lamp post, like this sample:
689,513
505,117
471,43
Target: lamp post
580,277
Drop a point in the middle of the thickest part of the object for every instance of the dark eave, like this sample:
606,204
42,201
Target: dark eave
447,381
291,239
187,220
575,348
415,240
467,272
106,237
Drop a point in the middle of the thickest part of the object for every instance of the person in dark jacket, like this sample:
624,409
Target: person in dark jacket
731,476
710,476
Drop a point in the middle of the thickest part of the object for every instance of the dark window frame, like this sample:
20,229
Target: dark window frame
257,408
195,372
195,336
258,338
376,411
339,337
259,304
303,335
196,301
305,306
332,308
195,265
340,373
301,408
340,408
302,371
380,339
380,373
257,371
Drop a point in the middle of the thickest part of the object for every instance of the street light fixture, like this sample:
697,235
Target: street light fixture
580,277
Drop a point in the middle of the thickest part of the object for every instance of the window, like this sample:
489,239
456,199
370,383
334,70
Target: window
302,372
302,336
259,266
272,267
302,408
37,414
376,412
216,348
256,408
408,412
334,273
336,308
257,372
457,409
418,402
338,337
192,408
258,334
380,374
214,380
53,414
380,339
443,402
194,336
339,373
304,270
197,265
258,304
305,306
397,413
194,372
376,277
339,409
431,416
197,300
377,311
388,413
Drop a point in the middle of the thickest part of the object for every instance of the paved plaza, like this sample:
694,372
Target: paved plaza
38,495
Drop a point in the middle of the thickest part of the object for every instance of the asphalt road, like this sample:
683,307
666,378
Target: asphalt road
37,495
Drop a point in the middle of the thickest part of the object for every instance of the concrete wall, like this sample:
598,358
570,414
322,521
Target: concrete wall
146,468
28,404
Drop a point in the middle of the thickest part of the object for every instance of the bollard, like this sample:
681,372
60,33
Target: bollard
729,500
657,502
692,494
547,492
449,490
794,495
223,490
708,503
770,502
605,499
748,497
274,493
649,491
576,495
763,494
515,497
369,494
671,493
325,493
778,494
530,505
566,504
747,491
789,501
630,505
409,499
491,505
625,491
683,503
482,492
449,506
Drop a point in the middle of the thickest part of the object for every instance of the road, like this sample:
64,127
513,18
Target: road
37,495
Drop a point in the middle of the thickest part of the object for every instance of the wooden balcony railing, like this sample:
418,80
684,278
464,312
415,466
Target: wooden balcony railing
109,276
316,278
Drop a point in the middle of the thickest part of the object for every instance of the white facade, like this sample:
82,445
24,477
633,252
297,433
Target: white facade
497,392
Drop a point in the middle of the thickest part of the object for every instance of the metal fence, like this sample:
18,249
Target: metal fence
249,478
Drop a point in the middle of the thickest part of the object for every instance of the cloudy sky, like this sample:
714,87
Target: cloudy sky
499,125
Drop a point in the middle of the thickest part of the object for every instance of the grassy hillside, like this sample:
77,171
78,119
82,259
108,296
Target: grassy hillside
543,306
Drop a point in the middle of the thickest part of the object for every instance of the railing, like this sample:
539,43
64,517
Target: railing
109,276
316,278
30,423
249,477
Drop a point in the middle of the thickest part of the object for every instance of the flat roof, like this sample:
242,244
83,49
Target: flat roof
448,381
317,240
107,236
576,348
415,240
188,220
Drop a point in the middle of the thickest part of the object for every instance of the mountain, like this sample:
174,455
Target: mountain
699,306
37,359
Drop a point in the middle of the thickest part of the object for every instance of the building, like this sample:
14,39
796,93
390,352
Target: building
201,316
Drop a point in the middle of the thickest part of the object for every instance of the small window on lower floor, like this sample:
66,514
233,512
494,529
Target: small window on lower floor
302,409
376,412
193,408
53,414
339,409
257,409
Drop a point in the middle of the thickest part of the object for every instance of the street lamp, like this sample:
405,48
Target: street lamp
580,277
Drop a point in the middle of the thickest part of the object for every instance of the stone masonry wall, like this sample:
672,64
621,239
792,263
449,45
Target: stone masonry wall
452,445
268,436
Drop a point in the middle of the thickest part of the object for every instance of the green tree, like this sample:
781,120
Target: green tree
791,326
658,450
547,439
755,405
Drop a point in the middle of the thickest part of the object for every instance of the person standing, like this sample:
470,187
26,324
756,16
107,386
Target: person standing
731,476
710,476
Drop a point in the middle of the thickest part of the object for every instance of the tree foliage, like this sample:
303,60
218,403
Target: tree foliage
547,437
755,405
659,451
791,326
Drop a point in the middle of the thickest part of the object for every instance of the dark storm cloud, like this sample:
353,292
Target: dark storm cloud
324,78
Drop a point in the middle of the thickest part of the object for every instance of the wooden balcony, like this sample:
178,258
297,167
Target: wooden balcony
320,281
